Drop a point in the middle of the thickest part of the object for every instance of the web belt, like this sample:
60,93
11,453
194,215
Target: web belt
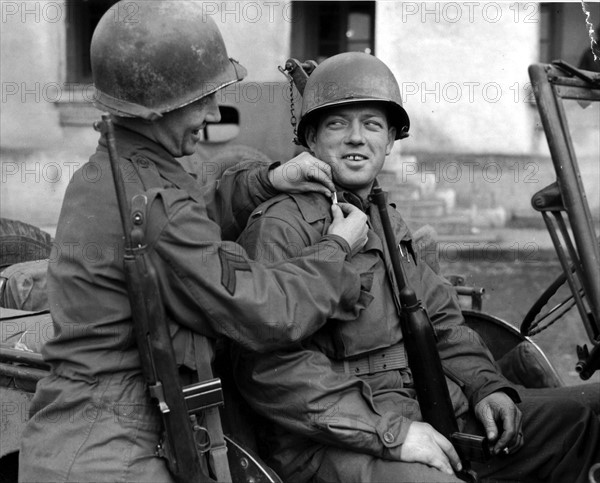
388,359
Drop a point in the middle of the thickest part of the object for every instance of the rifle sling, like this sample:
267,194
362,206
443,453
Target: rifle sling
377,226
212,418
218,448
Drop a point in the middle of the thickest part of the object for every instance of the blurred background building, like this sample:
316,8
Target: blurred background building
476,151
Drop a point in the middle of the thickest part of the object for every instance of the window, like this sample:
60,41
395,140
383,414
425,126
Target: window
83,16
550,32
564,33
323,29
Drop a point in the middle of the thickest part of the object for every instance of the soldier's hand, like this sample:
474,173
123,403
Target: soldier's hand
423,444
495,411
352,227
303,173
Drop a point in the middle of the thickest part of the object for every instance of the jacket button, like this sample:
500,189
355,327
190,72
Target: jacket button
388,437
143,162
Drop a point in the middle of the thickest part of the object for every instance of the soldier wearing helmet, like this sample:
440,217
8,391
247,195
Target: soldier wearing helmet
350,79
341,407
92,419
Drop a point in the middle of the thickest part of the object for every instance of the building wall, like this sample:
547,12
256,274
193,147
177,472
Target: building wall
46,123
463,71
37,154
31,48
462,67
258,34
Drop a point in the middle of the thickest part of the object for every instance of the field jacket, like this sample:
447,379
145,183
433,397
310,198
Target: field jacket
308,404
91,418
208,285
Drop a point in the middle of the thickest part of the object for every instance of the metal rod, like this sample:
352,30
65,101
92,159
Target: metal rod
22,372
555,125
574,283
11,354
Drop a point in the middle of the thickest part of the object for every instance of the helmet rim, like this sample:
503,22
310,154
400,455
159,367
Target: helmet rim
123,108
400,119
352,77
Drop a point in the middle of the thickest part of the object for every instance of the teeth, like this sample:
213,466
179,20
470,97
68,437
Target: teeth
353,157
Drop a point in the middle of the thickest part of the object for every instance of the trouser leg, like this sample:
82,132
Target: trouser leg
342,466
561,442
587,394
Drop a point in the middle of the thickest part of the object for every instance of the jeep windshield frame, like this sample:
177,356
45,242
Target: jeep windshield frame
553,84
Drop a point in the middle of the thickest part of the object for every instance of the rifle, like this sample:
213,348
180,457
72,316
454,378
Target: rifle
184,438
423,357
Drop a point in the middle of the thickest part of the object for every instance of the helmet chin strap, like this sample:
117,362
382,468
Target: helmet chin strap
297,73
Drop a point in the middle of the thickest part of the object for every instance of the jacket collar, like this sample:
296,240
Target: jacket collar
134,147
131,144
315,207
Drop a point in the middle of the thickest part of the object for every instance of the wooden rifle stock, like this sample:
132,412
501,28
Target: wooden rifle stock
152,335
423,357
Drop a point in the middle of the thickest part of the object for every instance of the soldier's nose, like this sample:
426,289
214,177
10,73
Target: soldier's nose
213,112
355,134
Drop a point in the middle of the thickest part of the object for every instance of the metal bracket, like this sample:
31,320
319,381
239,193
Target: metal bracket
203,395
298,72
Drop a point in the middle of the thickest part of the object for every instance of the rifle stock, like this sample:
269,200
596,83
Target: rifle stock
423,357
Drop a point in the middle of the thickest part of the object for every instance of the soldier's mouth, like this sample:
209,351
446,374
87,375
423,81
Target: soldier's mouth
355,157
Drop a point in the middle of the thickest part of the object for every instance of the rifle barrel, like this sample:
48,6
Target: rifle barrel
109,132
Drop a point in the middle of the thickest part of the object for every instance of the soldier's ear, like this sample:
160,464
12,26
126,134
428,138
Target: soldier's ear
311,137
391,139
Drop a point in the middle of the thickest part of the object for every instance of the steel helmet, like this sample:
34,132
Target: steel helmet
348,78
158,57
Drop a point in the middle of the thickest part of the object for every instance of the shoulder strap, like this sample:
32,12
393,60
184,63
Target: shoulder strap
212,418
378,228
217,447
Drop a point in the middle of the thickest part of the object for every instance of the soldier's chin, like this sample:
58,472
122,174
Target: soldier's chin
187,149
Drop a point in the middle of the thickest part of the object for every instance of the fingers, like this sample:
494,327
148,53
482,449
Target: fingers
510,428
353,227
452,460
301,174
518,444
355,215
498,409
321,173
489,423
507,450
423,444
337,212
512,435
440,461
349,209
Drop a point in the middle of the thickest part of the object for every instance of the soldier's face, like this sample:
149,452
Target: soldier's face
354,140
178,131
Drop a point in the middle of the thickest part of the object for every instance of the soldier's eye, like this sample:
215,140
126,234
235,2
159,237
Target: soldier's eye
374,124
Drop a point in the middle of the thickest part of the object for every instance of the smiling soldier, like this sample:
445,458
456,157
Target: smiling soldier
341,407
92,418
